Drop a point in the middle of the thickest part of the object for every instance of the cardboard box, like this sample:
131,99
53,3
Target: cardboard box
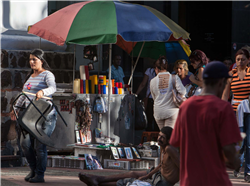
68,162
116,164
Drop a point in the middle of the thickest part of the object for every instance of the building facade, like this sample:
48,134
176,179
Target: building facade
217,28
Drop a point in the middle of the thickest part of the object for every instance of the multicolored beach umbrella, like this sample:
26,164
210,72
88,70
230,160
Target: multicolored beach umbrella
107,22
173,50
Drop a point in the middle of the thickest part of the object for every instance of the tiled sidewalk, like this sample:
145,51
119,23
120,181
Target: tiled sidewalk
14,176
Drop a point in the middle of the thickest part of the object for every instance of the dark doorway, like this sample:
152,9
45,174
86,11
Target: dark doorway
209,25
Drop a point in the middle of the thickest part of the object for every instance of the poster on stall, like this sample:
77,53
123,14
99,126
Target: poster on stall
114,152
85,138
121,152
78,138
92,162
128,152
136,153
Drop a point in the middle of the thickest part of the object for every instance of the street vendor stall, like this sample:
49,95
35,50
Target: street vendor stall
104,22
73,106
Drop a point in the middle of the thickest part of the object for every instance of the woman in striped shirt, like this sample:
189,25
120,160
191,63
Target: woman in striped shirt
240,81
41,82
240,86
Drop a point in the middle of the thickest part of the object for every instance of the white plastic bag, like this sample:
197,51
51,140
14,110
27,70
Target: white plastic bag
139,183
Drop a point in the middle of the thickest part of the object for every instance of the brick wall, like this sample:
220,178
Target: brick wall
14,68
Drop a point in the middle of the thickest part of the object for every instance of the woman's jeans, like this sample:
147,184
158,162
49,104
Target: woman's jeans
36,152
247,148
242,148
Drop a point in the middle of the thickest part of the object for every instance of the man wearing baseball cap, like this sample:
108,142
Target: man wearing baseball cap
206,132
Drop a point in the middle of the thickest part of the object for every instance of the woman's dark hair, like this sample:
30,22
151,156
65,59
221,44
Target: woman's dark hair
40,55
228,58
163,63
199,55
167,131
242,51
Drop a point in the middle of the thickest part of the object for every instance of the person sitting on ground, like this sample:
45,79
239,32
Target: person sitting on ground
166,173
181,69
206,131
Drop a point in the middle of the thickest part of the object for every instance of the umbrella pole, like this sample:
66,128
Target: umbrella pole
74,65
132,64
40,43
99,64
136,63
110,88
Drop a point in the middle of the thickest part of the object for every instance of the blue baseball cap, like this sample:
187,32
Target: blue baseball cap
215,70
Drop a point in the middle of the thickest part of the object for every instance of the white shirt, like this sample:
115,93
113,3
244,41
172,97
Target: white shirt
164,106
45,81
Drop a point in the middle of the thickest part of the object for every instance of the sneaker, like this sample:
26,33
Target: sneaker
30,175
247,178
237,172
36,179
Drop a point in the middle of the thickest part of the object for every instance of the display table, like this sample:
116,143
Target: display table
100,153
134,164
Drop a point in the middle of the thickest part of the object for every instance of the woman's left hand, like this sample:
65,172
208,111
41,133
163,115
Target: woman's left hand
39,94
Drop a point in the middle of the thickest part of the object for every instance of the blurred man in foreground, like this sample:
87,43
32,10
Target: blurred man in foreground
206,131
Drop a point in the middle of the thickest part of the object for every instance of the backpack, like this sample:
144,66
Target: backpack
100,105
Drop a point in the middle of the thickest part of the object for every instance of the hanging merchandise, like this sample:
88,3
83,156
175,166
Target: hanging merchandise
85,120
100,105
127,121
141,120
83,116
98,133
